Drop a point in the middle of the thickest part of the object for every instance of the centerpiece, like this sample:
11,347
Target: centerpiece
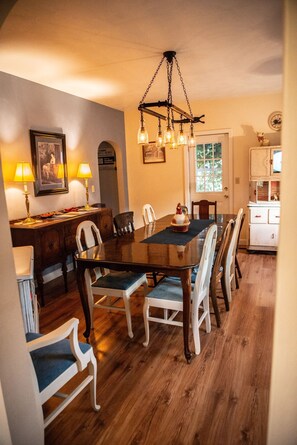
180,222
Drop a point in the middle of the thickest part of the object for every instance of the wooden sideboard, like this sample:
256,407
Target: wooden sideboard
53,240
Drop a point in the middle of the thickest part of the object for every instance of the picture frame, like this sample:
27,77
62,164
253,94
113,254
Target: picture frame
49,163
152,154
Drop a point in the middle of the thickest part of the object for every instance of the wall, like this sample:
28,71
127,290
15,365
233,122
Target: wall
17,379
283,396
27,105
162,185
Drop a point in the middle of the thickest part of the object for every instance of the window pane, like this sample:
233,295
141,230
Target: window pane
199,151
217,150
208,151
209,167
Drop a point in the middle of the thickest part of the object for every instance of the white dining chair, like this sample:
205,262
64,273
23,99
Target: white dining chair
148,214
110,286
229,282
168,295
56,360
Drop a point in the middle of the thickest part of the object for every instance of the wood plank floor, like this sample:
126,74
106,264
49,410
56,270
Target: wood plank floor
151,395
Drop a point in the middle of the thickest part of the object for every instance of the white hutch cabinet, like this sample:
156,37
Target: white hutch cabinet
264,204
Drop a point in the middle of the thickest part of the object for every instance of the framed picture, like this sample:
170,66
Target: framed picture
49,163
153,154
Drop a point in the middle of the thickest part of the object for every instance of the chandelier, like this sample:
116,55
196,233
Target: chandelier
171,114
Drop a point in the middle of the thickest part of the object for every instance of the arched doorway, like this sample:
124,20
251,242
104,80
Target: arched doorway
107,165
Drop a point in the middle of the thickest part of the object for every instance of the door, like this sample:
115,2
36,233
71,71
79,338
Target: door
209,175
108,176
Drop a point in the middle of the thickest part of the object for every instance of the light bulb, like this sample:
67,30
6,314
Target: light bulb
181,139
142,136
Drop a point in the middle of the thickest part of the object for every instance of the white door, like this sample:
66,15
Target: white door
210,170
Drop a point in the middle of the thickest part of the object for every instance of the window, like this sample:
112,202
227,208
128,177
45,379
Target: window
208,161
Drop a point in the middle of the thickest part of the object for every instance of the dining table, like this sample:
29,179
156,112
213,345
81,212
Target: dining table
156,247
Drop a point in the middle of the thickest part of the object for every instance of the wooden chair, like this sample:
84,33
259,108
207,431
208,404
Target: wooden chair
56,360
148,214
168,295
203,208
228,282
124,223
238,273
111,286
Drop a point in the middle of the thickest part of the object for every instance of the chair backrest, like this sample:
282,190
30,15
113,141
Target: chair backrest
203,208
228,258
148,214
124,223
241,224
87,235
224,243
201,286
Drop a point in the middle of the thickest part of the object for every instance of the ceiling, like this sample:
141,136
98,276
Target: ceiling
107,51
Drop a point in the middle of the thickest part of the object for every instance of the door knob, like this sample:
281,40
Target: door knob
226,196
226,188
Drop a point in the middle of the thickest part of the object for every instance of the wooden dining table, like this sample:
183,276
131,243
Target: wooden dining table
135,252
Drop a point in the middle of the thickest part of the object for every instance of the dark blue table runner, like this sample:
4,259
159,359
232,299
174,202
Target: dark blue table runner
168,236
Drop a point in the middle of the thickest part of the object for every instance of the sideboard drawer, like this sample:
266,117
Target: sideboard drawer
258,215
274,216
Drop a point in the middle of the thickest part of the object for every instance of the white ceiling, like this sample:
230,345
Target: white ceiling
107,51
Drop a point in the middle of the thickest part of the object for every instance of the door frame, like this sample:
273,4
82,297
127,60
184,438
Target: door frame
187,196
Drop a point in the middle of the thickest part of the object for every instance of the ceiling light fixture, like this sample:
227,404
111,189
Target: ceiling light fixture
173,114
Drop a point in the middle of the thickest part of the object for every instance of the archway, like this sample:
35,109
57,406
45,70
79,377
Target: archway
108,178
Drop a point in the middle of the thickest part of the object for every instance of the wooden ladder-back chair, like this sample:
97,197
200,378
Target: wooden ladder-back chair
168,295
238,273
228,281
110,286
124,223
56,360
203,208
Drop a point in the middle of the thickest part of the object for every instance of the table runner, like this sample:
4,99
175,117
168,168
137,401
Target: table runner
168,236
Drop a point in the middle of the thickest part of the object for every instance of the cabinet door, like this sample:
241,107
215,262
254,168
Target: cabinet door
276,162
259,163
264,235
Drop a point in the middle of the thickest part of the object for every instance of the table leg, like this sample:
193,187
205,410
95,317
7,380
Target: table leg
186,285
80,276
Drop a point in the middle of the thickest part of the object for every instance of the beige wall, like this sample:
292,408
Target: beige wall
283,397
162,185
27,105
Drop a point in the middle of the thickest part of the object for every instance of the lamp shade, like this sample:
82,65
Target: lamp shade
23,172
84,171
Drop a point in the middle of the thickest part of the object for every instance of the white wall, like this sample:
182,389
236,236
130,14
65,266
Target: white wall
27,105
23,411
162,185
283,397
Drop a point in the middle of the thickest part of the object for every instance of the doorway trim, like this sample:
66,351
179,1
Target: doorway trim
187,195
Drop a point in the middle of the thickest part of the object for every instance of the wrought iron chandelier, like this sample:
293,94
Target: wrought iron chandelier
172,114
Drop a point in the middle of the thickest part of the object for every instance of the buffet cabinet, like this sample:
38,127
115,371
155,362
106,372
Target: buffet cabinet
53,239
264,197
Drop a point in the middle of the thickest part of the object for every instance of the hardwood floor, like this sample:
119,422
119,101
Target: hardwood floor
151,395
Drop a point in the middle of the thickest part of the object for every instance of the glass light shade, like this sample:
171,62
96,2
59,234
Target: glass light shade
181,138
23,172
169,135
142,136
159,139
84,171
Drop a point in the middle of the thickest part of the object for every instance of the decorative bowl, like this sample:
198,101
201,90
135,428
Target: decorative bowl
180,227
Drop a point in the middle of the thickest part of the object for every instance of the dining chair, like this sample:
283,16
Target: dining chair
124,223
168,295
228,282
148,214
56,360
238,273
110,286
203,208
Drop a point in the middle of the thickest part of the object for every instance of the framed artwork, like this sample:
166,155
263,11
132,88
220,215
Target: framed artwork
49,163
153,154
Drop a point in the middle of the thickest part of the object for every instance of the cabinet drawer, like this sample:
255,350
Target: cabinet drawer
259,215
264,235
274,216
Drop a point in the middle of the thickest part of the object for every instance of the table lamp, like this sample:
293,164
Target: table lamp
84,172
23,173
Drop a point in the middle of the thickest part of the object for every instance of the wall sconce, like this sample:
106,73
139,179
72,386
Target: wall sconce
23,173
84,172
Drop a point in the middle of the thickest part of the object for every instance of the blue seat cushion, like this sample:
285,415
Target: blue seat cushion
118,280
51,361
168,289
